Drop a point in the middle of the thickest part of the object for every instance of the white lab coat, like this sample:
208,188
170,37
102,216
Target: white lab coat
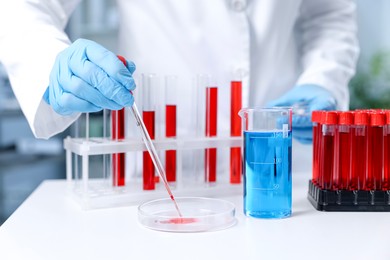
273,44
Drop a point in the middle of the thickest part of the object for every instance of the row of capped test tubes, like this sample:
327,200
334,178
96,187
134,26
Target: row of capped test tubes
157,117
351,150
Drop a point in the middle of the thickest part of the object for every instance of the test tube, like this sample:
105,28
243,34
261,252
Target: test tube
328,122
359,151
375,150
386,175
118,159
170,125
343,151
316,119
235,130
148,115
211,131
106,157
201,82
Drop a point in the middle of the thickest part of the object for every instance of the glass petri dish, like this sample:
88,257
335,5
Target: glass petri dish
198,214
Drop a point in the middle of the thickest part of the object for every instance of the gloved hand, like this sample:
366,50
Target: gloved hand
312,97
86,77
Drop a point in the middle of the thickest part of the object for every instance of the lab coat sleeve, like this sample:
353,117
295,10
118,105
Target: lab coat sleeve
329,45
31,36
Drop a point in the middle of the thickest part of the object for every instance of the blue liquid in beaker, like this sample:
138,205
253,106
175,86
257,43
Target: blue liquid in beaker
267,174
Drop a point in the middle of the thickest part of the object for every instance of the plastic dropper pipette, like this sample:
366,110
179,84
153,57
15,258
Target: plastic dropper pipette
150,147
153,153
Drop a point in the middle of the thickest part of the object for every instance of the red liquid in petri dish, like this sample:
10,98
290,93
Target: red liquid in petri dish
179,221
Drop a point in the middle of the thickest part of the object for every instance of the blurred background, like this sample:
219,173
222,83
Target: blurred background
25,161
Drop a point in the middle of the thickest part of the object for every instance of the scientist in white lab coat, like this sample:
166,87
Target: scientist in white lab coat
286,52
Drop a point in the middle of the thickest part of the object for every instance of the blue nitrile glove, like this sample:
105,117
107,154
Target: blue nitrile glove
86,77
312,97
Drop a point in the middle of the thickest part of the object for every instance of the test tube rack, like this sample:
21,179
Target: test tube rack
348,176
99,192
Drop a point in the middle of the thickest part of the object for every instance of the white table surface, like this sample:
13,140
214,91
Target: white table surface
50,225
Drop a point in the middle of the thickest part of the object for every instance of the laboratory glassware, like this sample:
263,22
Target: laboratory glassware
327,154
343,151
316,118
386,152
149,117
170,124
211,131
359,151
235,130
375,150
199,215
267,161
117,134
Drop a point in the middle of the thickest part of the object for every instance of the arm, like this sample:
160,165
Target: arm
31,36
329,46
329,51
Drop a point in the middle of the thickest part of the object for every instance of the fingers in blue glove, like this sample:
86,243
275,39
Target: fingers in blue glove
87,78
314,98
66,104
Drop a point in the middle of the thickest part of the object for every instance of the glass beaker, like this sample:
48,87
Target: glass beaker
267,161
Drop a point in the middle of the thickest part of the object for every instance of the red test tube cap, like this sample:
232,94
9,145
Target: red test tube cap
316,116
329,117
377,119
346,118
361,118
387,117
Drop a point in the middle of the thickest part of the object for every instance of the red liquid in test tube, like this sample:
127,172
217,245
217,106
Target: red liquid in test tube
235,130
149,116
343,151
170,155
170,125
329,121
118,159
211,131
316,118
148,166
118,133
359,151
386,174
375,159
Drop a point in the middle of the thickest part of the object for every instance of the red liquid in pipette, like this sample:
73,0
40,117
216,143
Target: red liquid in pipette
148,167
235,130
148,137
170,155
118,159
211,131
